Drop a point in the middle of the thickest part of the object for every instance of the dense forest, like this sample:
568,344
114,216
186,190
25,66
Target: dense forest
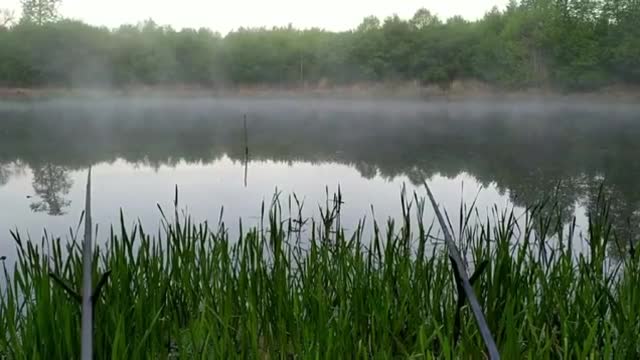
567,45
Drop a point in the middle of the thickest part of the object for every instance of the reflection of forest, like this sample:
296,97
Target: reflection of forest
7,171
50,184
525,152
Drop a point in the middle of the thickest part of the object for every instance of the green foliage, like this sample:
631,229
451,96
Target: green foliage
39,11
294,287
569,45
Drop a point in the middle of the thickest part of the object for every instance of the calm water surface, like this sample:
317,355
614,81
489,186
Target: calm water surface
140,150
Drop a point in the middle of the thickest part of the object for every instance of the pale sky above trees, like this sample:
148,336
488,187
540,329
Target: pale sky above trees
223,16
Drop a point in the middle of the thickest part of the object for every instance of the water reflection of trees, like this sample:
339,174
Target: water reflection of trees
5,174
9,170
623,212
51,183
530,155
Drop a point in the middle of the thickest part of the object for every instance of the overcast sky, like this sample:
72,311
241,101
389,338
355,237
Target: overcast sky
223,16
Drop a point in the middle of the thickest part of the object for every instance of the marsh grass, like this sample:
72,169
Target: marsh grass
305,288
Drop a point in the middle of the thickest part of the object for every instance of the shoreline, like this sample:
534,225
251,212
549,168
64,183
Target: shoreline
461,91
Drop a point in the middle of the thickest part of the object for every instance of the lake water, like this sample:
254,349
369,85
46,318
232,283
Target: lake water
140,150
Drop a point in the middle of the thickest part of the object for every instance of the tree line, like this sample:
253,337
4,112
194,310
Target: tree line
570,45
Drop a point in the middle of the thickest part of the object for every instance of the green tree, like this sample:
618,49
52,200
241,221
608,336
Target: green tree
198,56
367,50
369,23
39,12
6,18
398,44
424,18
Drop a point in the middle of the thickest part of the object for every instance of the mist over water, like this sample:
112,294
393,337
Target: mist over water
140,149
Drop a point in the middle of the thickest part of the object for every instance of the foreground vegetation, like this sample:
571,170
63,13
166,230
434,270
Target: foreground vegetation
561,44
294,287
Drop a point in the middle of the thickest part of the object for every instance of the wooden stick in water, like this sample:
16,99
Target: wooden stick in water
460,268
87,288
246,150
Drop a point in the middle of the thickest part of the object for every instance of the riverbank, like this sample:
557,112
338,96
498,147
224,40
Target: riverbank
458,91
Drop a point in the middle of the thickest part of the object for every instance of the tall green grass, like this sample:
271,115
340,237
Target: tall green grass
304,288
